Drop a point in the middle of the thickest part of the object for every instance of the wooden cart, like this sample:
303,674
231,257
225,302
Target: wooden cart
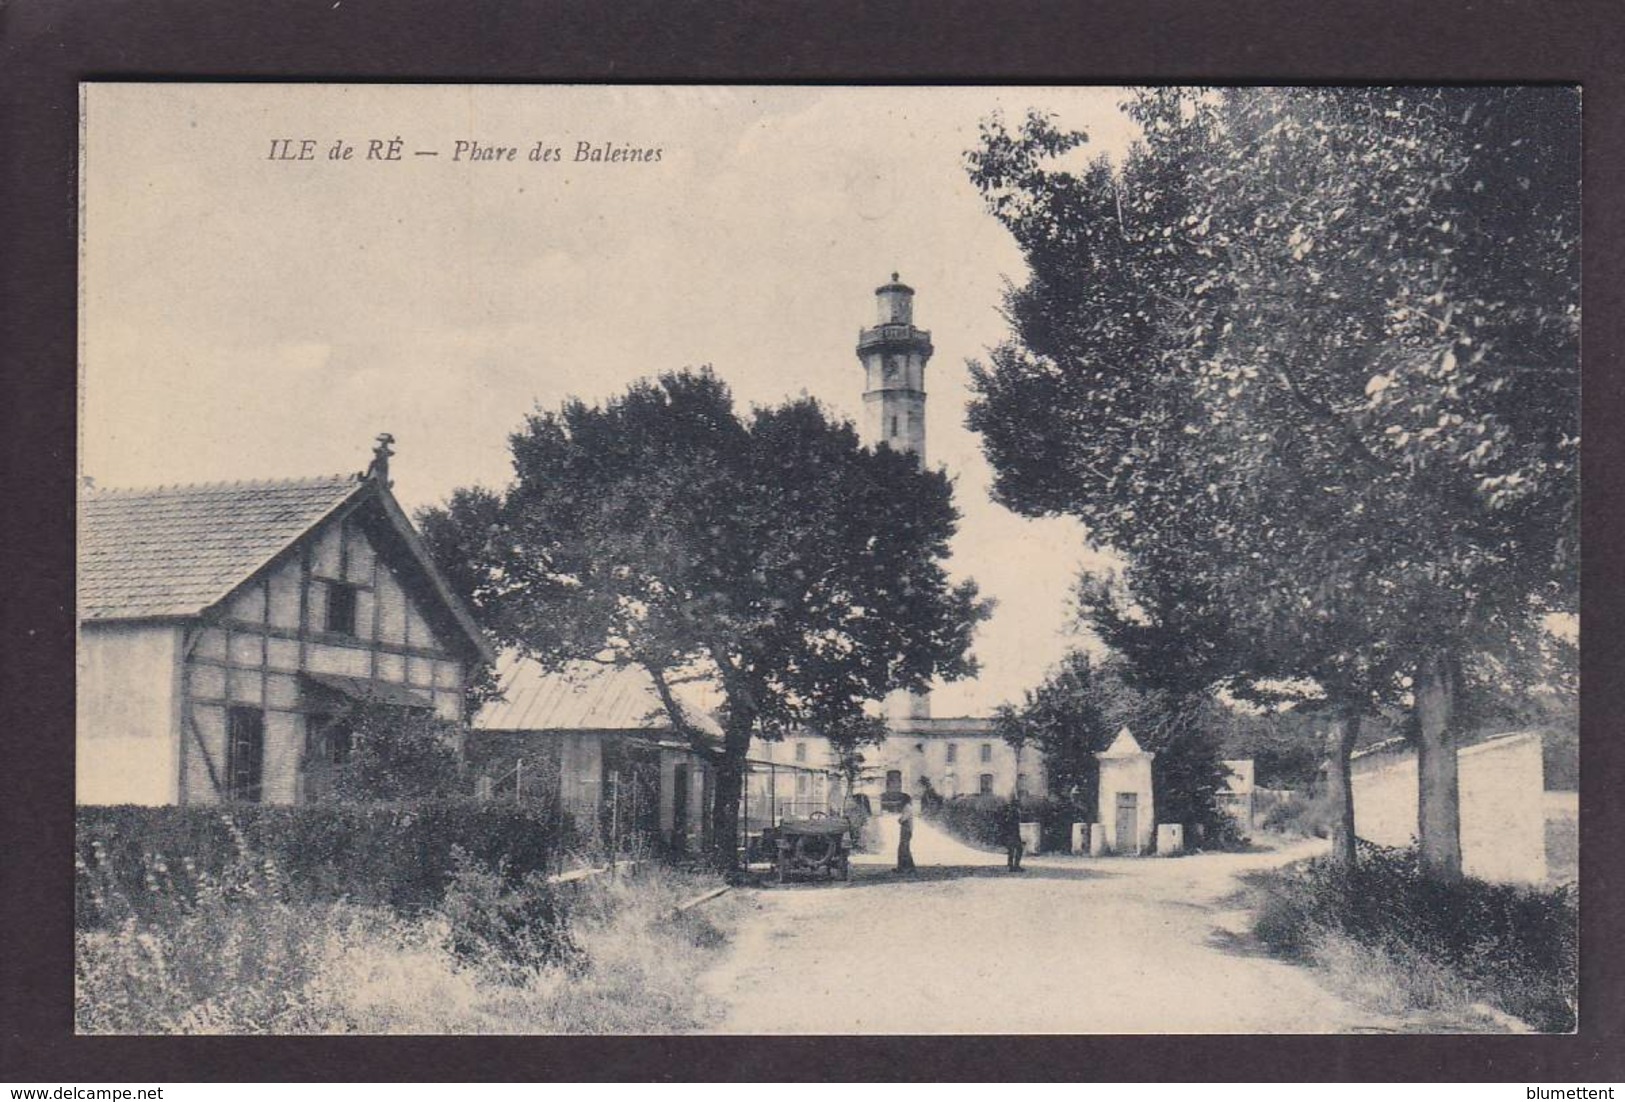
821,845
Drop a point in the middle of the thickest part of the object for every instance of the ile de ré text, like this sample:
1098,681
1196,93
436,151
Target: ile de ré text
462,151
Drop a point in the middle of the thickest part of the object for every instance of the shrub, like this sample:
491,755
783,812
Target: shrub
397,754
1516,948
395,854
1299,815
511,929
230,954
235,947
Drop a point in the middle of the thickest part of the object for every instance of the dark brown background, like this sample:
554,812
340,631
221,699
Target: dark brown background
49,46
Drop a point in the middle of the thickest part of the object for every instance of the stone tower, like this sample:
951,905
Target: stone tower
894,354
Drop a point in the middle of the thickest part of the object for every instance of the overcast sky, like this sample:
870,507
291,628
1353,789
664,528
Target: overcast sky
245,317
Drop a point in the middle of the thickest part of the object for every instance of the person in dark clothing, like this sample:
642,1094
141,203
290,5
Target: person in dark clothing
1010,835
905,834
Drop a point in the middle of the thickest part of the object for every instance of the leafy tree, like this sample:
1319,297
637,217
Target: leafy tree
798,572
1308,358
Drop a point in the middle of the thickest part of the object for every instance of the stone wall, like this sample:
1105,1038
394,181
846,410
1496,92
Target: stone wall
1503,815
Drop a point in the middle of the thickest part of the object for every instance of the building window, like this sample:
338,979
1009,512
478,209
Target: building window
1021,784
341,608
801,784
987,752
801,751
953,752
894,424
245,753
984,784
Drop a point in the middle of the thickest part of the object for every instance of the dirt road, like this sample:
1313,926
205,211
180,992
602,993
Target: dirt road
1073,945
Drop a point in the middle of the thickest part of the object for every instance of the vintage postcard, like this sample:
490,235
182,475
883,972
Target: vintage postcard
567,559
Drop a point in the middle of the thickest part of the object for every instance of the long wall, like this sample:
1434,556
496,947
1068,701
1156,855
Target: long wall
128,729
1503,814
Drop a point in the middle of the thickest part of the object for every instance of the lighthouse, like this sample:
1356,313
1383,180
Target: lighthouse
894,354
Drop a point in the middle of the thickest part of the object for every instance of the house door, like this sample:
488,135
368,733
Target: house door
679,808
1128,822
245,753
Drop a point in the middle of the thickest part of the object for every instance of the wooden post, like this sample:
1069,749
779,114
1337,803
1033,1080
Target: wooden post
614,816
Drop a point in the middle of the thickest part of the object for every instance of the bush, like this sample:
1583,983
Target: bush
394,854
500,954
397,754
1299,815
512,929
227,955
1516,948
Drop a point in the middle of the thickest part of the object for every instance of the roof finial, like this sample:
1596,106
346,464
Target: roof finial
895,277
378,469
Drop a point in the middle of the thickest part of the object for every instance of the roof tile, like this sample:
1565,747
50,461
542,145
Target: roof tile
176,550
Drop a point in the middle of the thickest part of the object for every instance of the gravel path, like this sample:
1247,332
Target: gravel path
1073,945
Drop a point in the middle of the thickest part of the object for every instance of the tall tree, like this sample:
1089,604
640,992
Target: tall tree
1308,357
771,555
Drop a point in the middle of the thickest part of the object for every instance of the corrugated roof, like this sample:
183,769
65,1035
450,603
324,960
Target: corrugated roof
584,696
176,550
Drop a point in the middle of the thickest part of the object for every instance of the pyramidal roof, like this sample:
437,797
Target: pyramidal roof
1123,746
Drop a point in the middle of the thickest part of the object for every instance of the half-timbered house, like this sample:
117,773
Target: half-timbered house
225,628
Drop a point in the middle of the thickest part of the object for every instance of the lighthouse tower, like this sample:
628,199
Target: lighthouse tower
894,354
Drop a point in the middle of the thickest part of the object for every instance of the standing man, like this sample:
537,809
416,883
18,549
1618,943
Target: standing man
1010,835
905,834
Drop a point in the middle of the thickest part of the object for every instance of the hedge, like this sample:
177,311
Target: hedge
975,819
398,855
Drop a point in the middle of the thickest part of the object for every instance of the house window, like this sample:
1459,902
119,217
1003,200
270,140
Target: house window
801,751
953,752
987,752
894,424
984,784
341,608
1021,784
245,753
801,784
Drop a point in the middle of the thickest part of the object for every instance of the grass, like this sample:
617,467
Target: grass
243,955
1401,943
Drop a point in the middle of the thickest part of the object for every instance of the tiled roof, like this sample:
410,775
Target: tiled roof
176,550
584,696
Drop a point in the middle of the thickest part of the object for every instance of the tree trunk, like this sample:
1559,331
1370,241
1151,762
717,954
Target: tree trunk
1340,739
1438,804
730,784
